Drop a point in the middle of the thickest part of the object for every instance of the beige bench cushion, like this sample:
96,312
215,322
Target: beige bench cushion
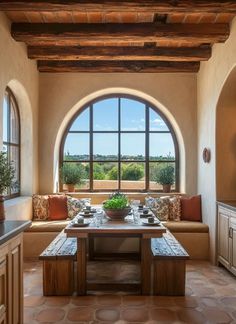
48,226
186,227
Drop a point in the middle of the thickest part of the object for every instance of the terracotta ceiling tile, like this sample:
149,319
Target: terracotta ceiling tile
145,17
95,17
129,17
175,18
207,18
112,17
49,17
79,17
192,18
16,16
34,17
224,18
64,16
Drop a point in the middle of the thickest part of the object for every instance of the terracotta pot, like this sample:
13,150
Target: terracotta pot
70,187
2,209
117,214
166,187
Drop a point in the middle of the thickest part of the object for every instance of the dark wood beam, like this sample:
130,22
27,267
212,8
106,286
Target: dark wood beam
118,66
170,6
115,53
72,34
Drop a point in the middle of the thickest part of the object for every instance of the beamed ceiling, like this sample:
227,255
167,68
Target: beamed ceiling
119,36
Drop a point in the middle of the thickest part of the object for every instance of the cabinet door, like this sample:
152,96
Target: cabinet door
233,245
16,281
3,282
223,236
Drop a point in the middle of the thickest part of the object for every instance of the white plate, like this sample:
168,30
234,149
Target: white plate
80,224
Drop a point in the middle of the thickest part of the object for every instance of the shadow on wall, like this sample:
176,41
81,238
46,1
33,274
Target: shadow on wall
226,140
109,91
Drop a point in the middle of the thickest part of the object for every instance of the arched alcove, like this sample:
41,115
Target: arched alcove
81,103
26,135
226,140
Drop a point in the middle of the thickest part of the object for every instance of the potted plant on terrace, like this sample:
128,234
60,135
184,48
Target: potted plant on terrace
71,175
7,174
166,177
117,206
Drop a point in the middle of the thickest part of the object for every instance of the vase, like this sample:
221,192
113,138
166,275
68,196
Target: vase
2,209
70,187
166,187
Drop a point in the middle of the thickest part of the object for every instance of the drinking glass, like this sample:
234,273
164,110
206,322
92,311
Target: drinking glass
134,205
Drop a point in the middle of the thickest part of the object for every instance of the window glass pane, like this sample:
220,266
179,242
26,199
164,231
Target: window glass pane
154,169
14,124
105,146
83,169
14,158
161,147
76,147
105,115
5,118
133,176
156,122
132,115
105,175
81,123
133,146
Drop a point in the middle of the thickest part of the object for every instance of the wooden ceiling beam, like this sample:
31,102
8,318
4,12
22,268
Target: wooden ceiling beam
118,66
160,6
72,34
115,53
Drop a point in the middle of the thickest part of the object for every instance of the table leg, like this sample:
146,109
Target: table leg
146,266
81,266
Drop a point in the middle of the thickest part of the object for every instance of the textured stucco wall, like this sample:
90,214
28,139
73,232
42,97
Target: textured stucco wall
62,94
211,79
21,75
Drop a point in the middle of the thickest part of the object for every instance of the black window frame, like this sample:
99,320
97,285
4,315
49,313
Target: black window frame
119,160
11,98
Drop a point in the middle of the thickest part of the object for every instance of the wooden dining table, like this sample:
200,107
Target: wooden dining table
121,228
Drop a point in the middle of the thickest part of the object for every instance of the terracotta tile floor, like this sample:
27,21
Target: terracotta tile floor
210,298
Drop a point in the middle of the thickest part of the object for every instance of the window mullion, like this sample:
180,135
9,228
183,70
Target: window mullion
147,149
91,148
119,145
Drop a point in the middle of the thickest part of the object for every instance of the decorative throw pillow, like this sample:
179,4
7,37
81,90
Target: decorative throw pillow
74,206
40,207
161,208
57,207
175,208
150,202
191,208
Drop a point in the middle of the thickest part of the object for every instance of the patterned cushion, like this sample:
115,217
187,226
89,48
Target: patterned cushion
161,208
175,208
74,206
40,207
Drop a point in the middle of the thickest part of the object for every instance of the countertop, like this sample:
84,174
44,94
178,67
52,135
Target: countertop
231,204
9,229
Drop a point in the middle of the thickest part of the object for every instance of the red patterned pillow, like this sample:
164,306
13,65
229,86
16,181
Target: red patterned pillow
57,207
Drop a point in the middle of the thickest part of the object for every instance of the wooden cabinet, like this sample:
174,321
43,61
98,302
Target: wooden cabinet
227,238
11,282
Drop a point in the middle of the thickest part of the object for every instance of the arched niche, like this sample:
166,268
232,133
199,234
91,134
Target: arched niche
26,122
226,140
127,91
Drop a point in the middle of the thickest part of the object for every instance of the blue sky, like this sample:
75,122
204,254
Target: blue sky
105,116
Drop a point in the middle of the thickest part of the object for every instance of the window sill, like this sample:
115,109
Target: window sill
19,208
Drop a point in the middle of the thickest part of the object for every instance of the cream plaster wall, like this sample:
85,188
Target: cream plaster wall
21,75
210,80
64,93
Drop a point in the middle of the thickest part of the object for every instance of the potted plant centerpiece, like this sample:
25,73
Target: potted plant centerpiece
166,177
117,206
7,174
71,175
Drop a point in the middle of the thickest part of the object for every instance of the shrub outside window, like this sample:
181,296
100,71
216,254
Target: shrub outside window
119,143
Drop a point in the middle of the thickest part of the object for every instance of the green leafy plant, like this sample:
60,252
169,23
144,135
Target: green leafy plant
166,175
72,173
7,173
116,201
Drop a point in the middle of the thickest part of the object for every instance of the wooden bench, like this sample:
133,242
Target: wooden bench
58,266
169,259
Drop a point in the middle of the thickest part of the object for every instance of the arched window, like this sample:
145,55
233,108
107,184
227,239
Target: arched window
11,138
119,143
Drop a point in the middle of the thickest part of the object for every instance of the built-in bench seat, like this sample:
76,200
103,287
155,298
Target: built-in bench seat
189,234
